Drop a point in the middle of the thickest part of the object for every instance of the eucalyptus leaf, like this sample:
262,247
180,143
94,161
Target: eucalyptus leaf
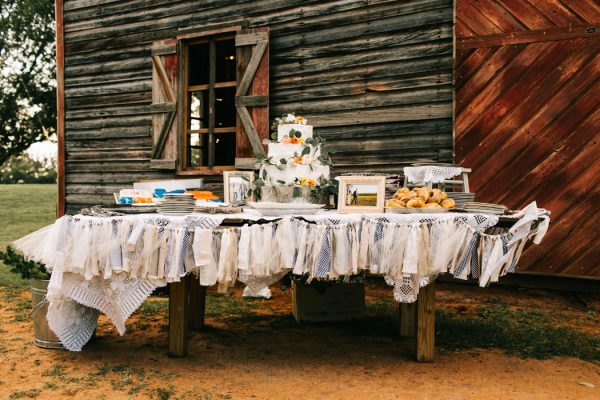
283,161
298,134
282,167
264,174
297,192
259,183
280,182
306,150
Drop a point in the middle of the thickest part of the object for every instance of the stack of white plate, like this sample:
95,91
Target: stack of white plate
460,198
177,204
273,209
484,208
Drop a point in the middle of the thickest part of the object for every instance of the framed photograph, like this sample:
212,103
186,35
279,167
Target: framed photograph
237,186
361,194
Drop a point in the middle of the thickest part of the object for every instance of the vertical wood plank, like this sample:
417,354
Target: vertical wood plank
197,307
60,108
211,102
178,317
426,323
408,319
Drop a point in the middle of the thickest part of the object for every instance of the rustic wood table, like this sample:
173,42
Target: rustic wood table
187,302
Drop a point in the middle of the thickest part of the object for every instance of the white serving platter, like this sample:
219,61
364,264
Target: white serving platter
284,206
404,210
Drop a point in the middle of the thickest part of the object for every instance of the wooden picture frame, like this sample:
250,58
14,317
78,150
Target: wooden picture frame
356,194
233,191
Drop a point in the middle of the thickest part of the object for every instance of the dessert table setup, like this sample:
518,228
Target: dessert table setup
275,221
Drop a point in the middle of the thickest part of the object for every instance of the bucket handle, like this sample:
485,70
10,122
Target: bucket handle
38,305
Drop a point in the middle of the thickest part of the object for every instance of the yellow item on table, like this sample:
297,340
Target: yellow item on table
203,195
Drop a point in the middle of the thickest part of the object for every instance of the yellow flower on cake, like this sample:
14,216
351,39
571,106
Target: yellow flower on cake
308,181
300,120
297,159
296,140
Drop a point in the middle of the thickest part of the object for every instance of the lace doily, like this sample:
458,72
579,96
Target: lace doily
430,173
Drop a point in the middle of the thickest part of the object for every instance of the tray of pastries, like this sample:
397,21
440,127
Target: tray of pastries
419,200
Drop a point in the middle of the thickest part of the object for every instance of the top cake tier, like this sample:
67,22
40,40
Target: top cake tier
306,131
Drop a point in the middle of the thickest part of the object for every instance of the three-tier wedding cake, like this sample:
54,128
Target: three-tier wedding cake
295,158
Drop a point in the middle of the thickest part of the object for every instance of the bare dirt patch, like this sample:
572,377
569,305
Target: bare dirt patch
253,349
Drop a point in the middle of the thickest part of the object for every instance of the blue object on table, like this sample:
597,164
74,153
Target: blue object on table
126,200
159,193
176,191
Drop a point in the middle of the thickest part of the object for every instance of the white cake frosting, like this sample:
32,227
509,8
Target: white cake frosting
285,129
299,162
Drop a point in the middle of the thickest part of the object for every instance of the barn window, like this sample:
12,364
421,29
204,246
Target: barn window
209,134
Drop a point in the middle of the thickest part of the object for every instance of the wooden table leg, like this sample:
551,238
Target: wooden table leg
408,319
197,307
178,317
426,323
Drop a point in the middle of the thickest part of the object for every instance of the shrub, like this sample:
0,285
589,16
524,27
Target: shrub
18,264
24,169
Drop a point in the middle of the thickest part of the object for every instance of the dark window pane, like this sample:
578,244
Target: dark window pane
198,103
199,64
198,150
225,149
225,107
225,60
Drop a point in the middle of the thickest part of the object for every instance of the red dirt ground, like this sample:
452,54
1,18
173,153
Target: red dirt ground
272,357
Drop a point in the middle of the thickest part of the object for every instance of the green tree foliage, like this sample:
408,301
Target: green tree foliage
27,71
24,169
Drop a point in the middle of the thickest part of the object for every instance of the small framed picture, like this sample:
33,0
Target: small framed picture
361,194
237,186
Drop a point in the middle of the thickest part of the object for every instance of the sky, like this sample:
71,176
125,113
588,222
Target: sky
42,150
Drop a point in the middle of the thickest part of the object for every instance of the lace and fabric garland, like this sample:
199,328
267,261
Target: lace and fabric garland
113,264
430,173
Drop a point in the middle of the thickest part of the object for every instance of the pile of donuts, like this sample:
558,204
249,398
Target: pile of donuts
420,198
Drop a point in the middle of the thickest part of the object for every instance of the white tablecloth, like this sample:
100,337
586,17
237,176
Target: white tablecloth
111,265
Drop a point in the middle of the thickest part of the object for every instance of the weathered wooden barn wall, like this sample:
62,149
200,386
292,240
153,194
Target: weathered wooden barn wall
528,118
373,76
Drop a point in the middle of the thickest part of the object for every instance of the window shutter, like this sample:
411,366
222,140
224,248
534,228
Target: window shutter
164,104
252,96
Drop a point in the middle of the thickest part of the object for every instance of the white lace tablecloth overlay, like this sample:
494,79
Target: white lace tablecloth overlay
430,173
111,265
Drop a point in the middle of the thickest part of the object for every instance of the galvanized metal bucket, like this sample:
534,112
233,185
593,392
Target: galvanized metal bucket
44,337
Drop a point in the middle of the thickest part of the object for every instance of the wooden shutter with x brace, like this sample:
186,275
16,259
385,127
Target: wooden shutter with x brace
252,95
164,103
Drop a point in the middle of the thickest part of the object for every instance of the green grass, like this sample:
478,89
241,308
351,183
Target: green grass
526,333
23,209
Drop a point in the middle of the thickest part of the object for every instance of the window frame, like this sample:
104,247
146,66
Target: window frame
184,132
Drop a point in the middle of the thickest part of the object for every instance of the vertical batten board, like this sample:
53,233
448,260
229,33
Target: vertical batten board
60,109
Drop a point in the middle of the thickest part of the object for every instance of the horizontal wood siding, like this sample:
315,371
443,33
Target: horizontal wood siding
373,76
528,118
